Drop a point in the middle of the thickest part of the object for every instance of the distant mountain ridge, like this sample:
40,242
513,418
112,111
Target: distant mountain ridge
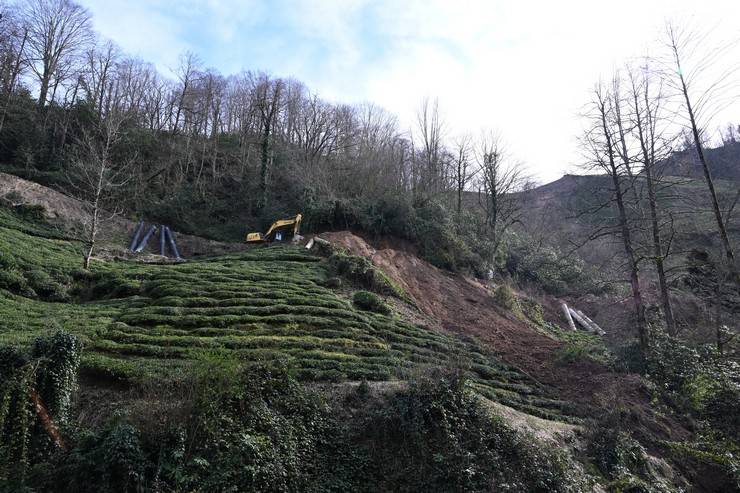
724,163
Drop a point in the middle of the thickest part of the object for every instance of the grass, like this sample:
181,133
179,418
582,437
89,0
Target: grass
144,322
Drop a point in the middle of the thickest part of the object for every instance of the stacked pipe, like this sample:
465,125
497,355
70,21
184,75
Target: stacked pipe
171,238
137,234
582,319
165,237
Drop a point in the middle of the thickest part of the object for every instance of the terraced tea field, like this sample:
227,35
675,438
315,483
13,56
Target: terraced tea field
263,305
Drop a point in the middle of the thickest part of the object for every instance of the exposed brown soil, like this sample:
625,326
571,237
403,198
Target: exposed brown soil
70,214
466,306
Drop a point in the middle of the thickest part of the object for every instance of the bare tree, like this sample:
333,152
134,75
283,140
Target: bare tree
13,39
98,74
97,179
601,147
699,104
269,101
463,169
430,128
500,178
648,126
57,31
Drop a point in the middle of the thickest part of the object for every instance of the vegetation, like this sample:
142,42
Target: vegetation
259,429
257,354
370,302
265,305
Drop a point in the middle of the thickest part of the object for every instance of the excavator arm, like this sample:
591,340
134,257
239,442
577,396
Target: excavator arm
276,226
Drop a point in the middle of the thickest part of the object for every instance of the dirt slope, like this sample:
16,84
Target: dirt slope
70,214
466,306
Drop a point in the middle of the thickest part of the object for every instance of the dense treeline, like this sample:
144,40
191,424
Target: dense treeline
216,154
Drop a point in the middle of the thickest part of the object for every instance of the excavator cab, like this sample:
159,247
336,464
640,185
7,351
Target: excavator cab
278,231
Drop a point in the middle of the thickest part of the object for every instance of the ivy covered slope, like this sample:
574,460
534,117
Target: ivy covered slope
272,304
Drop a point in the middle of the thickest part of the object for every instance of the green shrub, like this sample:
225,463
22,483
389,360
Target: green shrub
581,345
34,213
429,225
615,452
435,233
51,371
547,268
45,286
437,437
533,311
371,302
619,457
15,282
333,283
571,353
362,271
504,296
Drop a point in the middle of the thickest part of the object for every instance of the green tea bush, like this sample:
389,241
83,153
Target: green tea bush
15,282
45,286
371,302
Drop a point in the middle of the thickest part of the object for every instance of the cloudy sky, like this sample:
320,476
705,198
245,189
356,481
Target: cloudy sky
523,68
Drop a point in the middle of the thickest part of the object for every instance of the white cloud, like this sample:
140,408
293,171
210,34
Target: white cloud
524,68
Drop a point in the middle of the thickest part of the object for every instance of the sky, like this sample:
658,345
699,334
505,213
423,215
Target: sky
521,68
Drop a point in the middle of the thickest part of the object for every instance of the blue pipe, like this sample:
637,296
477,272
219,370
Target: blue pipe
145,240
173,245
162,235
137,234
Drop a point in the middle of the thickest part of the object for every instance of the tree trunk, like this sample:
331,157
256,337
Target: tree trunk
92,236
265,160
13,78
626,239
708,177
43,91
649,163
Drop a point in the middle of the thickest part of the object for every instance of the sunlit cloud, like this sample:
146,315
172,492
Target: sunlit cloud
523,68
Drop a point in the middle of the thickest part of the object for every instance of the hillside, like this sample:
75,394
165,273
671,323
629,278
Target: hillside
146,324
264,304
314,276
724,163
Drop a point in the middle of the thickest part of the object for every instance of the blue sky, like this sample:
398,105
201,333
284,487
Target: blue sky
523,68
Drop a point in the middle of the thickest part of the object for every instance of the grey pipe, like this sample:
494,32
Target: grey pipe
137,234
594,326
173,245
162,235
586,322
568,318
145,240
580,320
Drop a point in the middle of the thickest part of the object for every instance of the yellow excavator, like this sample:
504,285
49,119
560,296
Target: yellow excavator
277,231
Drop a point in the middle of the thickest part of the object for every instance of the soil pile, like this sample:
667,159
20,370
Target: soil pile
467,306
